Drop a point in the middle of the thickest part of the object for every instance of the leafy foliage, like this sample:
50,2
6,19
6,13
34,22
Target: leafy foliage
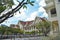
9,30
4,4
31,3
2,8
7,4
31,32
24,6
44,27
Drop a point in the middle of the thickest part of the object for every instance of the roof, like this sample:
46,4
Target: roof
27,22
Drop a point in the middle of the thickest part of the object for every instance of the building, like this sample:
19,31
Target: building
53,9
14,26
26,26
30,25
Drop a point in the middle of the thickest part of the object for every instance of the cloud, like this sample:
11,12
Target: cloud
32,16
17,16
15,2
9,21
41,3
13,6
40,9
45,14
24,16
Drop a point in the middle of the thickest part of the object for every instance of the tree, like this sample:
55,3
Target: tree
44,27
47,25
7,4
8,30
39,26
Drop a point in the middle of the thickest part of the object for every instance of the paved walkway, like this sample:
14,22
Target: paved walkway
30,38
51,37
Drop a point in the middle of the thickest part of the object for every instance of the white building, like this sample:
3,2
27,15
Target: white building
53,9
30,25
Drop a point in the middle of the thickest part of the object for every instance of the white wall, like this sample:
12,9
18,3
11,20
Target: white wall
57,4
49,15
20,25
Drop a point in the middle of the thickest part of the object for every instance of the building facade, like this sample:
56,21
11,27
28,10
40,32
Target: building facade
53,10
26,26
14,26
30,25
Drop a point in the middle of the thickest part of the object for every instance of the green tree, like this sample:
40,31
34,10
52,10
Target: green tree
7,4
44,27
8,30
39,26
4,4
2,30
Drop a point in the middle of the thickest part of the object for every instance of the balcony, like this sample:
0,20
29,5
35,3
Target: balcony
49,4
54,15
48,1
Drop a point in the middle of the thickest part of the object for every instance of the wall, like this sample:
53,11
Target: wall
57,4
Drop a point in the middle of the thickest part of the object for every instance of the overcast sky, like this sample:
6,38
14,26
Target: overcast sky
28,14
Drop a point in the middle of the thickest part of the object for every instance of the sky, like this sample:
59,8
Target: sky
28,14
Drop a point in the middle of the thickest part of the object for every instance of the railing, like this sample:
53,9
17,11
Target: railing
18,36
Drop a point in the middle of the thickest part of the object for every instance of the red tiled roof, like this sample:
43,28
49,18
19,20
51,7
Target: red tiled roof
28,22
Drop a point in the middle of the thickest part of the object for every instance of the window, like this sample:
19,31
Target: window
58,0
55,26
53,12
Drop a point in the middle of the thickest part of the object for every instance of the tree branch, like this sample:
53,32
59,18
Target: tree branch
7,15
12,10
